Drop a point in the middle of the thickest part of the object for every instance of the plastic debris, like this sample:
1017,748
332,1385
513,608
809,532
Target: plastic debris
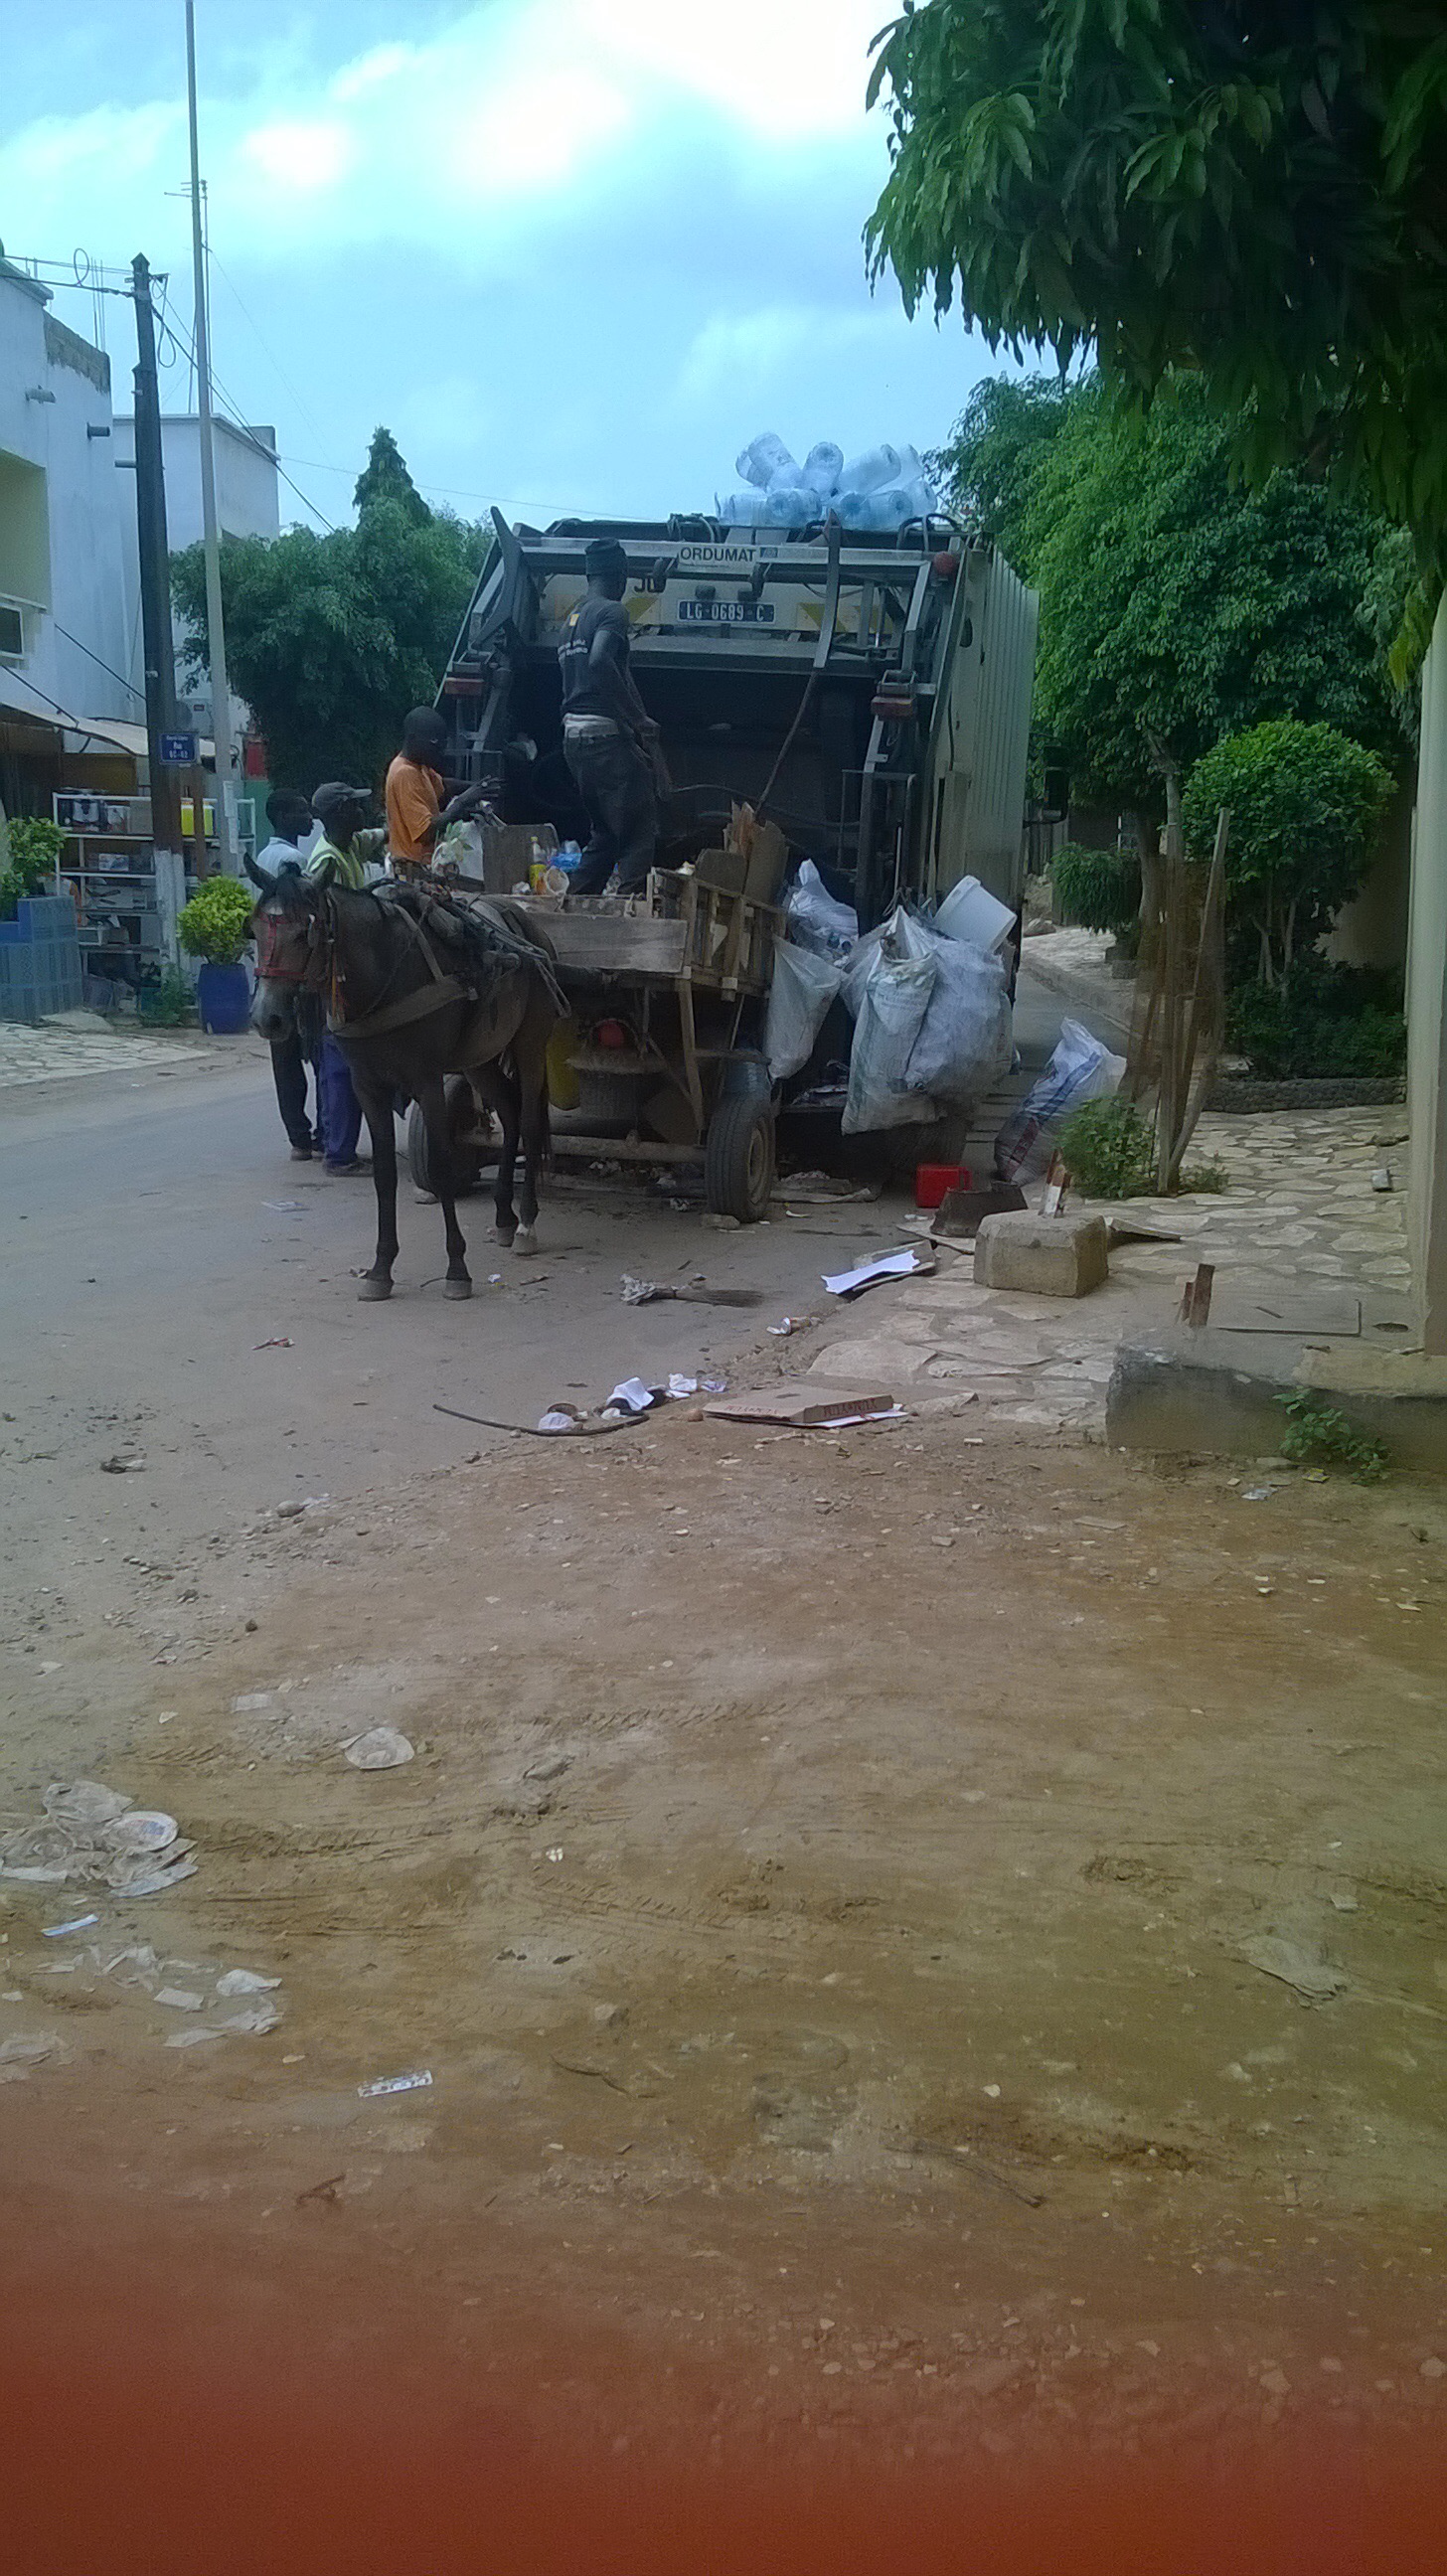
129,1878
680,1386
382,1748
83,1803
146,1830
395,2084
179,1998
558,1417
57,1931
868,1274
245,1981
248,1701
631,1396
193,2037
782,1330
1304,1970
555,1851
278,1342
255,2022
121,1465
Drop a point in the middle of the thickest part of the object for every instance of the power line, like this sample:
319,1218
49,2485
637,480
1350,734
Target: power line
127,685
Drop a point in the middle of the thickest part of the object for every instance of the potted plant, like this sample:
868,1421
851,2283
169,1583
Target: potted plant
215,926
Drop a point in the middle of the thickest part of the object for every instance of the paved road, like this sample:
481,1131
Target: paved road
152,1237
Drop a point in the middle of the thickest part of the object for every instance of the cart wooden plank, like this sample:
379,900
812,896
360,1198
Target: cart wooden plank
601,943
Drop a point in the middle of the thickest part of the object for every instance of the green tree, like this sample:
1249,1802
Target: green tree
1305,806
385,477
1001,442
1252,190
330,639
1176,606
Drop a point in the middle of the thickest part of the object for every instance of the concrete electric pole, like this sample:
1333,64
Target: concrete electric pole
156,632
220,690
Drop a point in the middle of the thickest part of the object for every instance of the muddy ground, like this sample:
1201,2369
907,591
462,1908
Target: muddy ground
835,1899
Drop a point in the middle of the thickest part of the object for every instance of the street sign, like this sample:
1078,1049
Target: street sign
178,750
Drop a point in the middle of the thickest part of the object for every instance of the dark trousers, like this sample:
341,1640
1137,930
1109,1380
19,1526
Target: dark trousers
288,1066
614,778
339,1112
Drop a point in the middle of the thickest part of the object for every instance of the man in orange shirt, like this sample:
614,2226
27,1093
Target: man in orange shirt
416,813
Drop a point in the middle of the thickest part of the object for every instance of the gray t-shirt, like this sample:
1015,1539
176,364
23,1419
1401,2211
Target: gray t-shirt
582,695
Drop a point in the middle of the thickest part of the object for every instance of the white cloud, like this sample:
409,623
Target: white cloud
766,347
519,104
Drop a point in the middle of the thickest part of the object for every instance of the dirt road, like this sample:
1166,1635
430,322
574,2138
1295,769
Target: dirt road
840,1896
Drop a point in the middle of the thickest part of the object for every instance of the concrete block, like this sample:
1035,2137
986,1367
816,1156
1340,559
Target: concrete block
1190,1393
1046,1256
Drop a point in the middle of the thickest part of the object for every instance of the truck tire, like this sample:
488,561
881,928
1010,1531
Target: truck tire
463,1118
738,1171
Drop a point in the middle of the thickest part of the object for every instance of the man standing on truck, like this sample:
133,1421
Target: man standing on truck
417,815
609,737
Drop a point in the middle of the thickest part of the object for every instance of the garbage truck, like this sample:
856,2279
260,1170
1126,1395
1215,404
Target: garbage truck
866,693
872,691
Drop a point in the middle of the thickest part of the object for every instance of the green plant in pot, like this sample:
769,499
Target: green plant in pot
215,926
35,845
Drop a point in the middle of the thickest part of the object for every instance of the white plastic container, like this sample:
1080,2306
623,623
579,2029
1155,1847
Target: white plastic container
760,461
971,913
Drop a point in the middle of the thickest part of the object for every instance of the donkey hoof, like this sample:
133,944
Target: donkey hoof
525,1241
373,1291
457,1287
505,1235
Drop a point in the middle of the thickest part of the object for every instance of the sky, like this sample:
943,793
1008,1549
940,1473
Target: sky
573,253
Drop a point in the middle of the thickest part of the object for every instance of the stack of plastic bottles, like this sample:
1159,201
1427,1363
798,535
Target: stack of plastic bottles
880,489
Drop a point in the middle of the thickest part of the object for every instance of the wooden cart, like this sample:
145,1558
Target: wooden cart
666,1047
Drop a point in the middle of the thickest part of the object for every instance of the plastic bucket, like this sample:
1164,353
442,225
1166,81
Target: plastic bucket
970,913
223,1000
934,1181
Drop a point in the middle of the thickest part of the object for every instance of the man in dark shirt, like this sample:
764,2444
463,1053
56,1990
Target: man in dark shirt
608,734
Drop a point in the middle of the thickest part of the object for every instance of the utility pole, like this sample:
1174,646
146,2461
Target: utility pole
156,631
220,689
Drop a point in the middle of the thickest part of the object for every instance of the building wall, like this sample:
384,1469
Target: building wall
61,513
1427,1008
247,505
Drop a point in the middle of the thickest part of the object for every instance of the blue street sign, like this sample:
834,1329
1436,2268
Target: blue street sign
178,750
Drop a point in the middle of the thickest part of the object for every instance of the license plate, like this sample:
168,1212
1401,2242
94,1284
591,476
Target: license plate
725,612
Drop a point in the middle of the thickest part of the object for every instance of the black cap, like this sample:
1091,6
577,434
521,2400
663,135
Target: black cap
332,798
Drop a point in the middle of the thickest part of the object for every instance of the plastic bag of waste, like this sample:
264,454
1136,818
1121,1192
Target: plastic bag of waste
760,461
804,984
892,1008
965,1039
1080,1069
815,920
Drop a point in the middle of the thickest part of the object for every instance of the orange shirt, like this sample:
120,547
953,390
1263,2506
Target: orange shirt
414,799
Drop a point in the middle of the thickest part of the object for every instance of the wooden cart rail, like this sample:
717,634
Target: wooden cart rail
718,941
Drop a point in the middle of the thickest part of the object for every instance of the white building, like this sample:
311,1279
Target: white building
247,505
65,644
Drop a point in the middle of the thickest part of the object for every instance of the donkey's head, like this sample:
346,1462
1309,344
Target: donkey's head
289,926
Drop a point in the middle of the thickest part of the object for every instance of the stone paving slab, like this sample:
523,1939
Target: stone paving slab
51,1052
1299,1206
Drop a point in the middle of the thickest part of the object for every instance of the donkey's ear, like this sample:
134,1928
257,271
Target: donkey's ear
260,877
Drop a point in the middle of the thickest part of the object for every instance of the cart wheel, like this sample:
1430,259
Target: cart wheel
463,1117
738,1172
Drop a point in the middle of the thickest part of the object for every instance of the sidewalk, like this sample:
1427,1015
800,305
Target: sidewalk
1299,1210
81,1043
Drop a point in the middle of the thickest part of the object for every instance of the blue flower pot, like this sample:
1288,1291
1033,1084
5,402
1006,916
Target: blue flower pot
223,999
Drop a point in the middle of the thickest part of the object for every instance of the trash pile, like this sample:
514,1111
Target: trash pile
929,1001
92,1835
879,490
633,1396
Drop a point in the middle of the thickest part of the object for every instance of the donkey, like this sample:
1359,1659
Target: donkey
406,1015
